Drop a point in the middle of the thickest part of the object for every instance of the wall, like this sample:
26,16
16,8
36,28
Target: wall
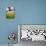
6,25
27,12
31,11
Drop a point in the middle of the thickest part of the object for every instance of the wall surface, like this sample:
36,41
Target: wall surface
31,11
6,25
27,12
